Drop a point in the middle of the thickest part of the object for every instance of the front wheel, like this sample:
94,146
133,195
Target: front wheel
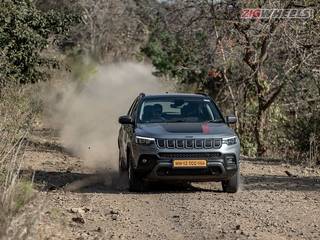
233,184
136,184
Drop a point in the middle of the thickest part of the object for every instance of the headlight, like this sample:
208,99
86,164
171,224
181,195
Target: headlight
229,141
144,140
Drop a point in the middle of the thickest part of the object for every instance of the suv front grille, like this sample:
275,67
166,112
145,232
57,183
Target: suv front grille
190,155
214,143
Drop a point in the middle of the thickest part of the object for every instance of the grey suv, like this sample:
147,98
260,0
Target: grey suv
178,137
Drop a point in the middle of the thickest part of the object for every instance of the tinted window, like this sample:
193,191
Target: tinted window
178,109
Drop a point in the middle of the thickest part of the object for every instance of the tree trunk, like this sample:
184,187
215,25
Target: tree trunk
259,132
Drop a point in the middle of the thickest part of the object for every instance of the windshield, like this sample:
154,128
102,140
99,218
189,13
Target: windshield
178,110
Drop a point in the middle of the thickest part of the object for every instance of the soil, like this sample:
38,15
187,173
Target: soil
277,201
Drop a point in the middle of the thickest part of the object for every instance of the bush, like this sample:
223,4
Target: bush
305,134
25,32
17,111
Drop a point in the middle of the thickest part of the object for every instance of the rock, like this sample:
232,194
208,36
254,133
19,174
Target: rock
78,219
237,227
289,174
80,215
114,212
114,217
77,211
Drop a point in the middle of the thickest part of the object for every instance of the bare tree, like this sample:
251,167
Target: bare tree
254,60
111,29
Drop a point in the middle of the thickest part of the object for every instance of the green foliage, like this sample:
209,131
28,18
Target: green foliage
24,32
302,129
177,56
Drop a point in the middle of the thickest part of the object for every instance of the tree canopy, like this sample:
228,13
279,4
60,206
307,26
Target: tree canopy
25,31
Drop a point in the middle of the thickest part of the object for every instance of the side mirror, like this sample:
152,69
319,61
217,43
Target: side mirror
231,119
125,120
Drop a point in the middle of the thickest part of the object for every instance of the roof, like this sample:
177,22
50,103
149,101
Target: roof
197,95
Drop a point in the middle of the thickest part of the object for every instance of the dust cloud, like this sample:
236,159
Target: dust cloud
86,113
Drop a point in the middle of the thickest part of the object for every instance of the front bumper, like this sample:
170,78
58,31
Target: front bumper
155,168
222,163
215,171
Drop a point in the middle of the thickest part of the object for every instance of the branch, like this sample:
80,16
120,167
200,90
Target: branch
274,93
248,54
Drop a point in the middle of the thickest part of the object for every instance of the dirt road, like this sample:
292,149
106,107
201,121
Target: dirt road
271,204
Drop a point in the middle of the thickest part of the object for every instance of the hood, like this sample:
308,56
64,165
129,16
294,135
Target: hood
173,130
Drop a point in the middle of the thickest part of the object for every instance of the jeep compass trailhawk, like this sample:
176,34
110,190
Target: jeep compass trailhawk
178,137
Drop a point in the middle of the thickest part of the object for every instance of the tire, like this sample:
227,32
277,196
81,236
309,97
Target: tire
121,182
136,183
233,184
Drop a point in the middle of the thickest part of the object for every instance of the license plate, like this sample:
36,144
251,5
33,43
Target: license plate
189,163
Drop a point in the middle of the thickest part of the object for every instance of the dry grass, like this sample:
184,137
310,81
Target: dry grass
17,110
314,152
